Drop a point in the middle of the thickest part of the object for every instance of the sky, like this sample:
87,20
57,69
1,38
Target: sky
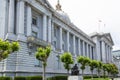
94,16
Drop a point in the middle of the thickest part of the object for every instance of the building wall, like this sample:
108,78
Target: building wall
34,24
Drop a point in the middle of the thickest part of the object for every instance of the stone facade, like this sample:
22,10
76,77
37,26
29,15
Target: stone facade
116,59
34,23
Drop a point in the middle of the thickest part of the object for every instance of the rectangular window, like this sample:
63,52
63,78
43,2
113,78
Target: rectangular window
34,34
34,21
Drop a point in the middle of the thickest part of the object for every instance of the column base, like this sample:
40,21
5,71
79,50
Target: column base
11,36
21,37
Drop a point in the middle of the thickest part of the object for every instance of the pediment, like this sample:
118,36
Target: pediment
108,36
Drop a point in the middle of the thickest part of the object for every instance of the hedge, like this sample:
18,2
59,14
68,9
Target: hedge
88,77
20,78
5,78
34,78
58,78
28,78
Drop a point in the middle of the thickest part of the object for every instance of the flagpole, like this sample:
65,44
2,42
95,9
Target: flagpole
99,25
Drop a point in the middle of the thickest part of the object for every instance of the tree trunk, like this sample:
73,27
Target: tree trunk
82,72
44,68
104,74
99,73
92,74
68,72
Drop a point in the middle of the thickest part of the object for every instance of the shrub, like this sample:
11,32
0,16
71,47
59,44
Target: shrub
20,78
34,78
95,76
5,78
58,78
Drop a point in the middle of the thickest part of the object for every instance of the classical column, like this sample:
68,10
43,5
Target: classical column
79,49
74,47
94,54
90,54
52,33
49,29
68,41
20,20
11,21
60,38
11,16
87,50
103,52
29,21
83,48
110,55
44,27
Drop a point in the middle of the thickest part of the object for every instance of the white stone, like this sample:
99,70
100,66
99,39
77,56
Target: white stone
75,78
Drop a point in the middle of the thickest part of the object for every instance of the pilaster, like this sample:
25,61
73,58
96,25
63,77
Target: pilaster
29,20
60,38
103,52
68,41
11,16
83,48
79,49
45,27
49,29
87,50
74,47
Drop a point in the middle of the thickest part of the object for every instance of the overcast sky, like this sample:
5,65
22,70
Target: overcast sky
86,14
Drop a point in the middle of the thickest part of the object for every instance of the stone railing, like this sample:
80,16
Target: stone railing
37,41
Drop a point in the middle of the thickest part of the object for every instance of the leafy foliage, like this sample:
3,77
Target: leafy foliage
99,67
42,54
67,59
5,78
58,78
7,48
114,69
83,61
93,64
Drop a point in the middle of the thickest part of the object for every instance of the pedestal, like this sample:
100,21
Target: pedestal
75,78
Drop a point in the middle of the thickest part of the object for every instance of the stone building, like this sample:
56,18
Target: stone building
116,59
34,23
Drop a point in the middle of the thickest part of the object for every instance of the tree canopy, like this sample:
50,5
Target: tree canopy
67,59
7,48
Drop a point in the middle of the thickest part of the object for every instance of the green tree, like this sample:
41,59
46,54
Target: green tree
109,68
42,54
84,61
105,66
93,64
7,48
114,70
99,68
67,59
